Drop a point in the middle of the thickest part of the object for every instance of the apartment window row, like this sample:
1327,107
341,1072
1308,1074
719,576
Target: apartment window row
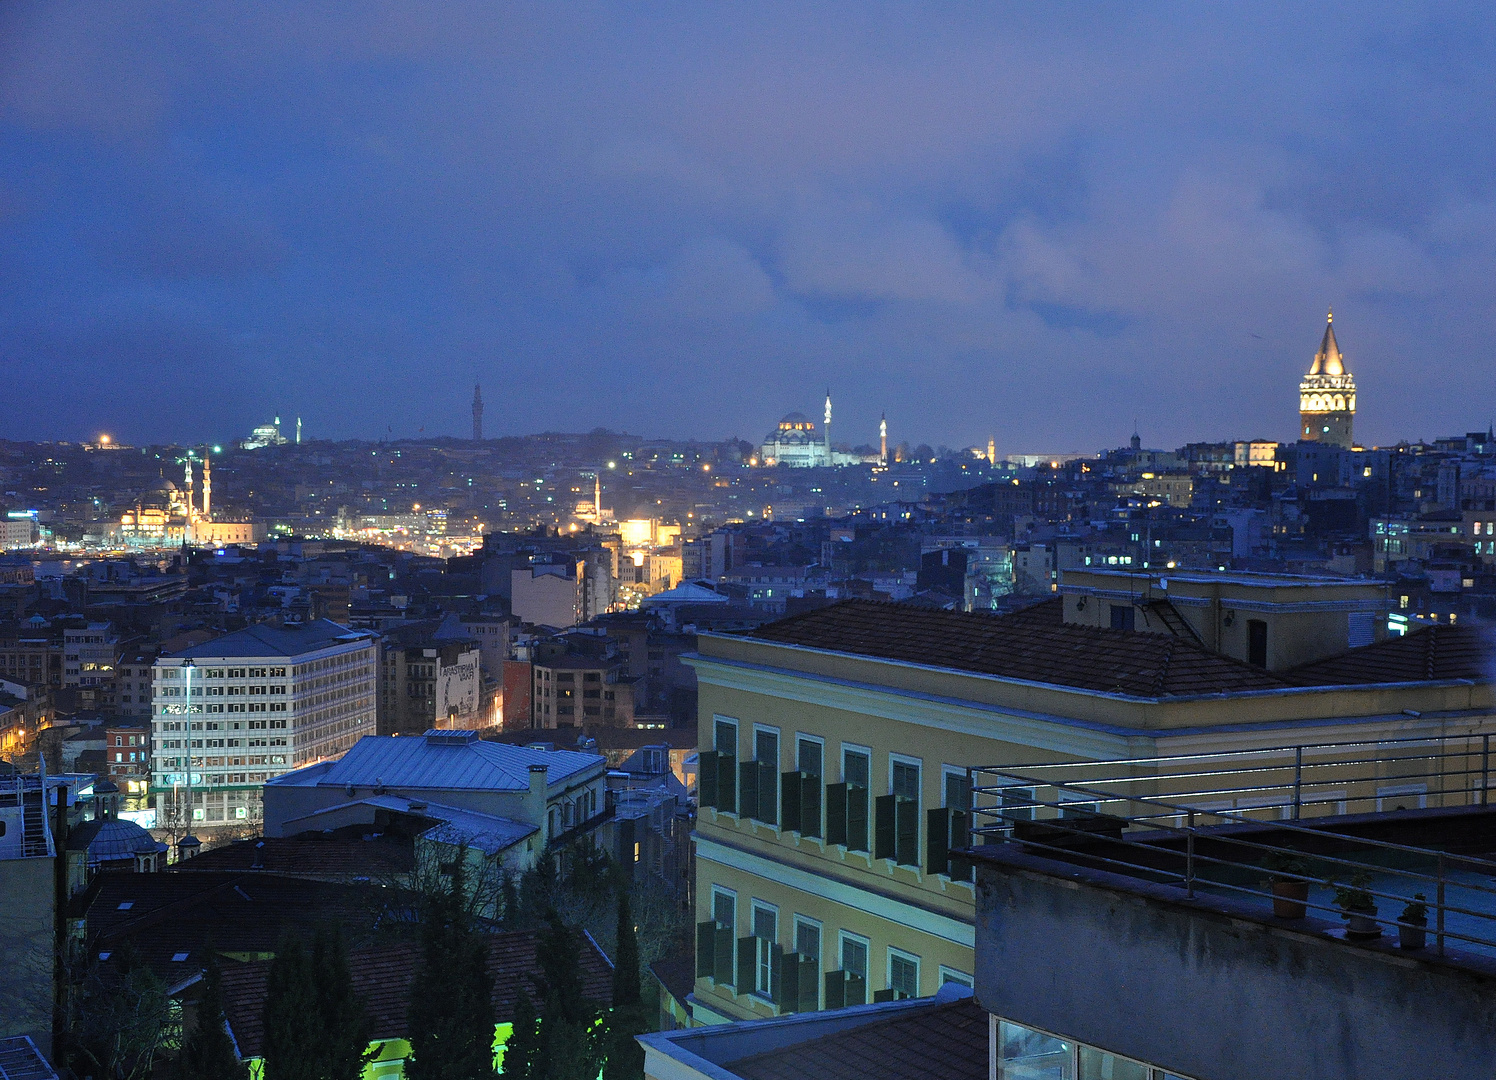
1023,1053
845,813
798,974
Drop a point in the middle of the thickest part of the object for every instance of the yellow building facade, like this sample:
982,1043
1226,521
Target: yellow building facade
834,754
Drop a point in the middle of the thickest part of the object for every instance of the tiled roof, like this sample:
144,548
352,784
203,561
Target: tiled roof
382,977
316,858
265,639
441,762
1438,652
1031,645
945,1042
166,915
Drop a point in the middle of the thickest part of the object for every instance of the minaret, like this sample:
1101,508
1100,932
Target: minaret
827,432
477,413
883,440
298,436
1327,396
208,482
991,451
188,465
597,497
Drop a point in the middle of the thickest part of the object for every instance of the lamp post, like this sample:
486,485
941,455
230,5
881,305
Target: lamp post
188,666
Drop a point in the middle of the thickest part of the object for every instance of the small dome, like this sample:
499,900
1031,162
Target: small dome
112,840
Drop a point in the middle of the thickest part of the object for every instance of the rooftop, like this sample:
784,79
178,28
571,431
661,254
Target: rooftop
266,639
440,760
382,977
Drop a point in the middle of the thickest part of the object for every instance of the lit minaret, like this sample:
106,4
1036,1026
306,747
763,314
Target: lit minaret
208,482
883,440
188,465
597,497
991,451
827,432
477,413
298,437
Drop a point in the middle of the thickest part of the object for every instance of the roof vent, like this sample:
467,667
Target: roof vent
437,737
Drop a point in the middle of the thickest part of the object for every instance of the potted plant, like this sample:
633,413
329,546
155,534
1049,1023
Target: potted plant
1287,870
1354,899
1412,924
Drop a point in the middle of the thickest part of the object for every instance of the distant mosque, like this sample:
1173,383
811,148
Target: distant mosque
796,443
1327,396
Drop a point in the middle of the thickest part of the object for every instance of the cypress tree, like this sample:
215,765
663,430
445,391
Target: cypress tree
451,1021
208,1053
294,1036
625,1060
567,1040
345,1026
524,1043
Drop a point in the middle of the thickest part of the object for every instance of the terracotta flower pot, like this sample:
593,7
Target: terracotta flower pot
1412,935
1289,899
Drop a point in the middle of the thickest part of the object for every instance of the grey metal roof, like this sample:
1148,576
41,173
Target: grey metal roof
455,825
264,639
21,1060
443,761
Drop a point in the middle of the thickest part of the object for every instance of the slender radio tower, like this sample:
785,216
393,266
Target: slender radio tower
477,413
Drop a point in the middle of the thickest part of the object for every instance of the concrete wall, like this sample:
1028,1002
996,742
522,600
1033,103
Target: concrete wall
1195,990
27,946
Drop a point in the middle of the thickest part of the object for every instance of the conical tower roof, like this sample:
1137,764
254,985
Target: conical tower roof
1328,360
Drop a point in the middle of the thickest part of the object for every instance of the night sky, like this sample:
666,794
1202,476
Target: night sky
1033,222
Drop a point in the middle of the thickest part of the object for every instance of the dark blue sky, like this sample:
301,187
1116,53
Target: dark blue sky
1029,222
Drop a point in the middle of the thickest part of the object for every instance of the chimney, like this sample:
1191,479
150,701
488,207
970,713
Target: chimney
535,802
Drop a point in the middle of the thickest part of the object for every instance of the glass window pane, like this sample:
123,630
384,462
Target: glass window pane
1026,1054
1099,1065
903,976
766,747
764,924
957,791
808,941
723,909
906,781
809,758
855,769
854,957
727,738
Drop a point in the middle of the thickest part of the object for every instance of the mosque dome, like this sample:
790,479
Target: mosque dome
110,840
796,421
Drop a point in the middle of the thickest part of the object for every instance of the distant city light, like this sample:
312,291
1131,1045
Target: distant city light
103,440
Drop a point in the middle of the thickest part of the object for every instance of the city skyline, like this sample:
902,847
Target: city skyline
1030,227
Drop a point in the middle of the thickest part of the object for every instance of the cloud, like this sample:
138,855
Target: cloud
1034,223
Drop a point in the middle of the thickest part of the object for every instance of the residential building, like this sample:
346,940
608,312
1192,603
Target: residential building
430,676
28,896
835,746
573,690
133,684
550,593
89,655
127,757
251,705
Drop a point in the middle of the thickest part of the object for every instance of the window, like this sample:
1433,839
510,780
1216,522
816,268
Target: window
847,803
951,975
896,824
854,951
765,931
759,779
903,974
1023,1053
1122,616
808,938
1257,642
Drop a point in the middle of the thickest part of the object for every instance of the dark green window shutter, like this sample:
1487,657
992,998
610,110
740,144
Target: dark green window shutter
810,805
937,850
768,781
789,799
857,818
705,939
706,772
961,867
722,955
778,984
747,964
836,813
748,797
727,788
856,990
882,995
883,807
906,838
808,972
836,989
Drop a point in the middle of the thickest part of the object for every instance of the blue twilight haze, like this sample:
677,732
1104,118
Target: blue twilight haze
1033,222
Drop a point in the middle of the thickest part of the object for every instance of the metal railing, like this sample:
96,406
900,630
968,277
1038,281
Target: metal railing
1243,824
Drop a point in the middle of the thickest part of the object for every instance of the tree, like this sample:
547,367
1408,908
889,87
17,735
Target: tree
451,1020
208,1052
625,1057
123,1019
345,1026
294,1035
568,1047
524,1043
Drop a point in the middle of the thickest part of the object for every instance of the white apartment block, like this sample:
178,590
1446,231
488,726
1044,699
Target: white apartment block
251,705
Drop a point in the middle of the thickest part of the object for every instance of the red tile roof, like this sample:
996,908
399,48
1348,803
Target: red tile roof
946,1042
382,977
316,858
1437,652
1032,645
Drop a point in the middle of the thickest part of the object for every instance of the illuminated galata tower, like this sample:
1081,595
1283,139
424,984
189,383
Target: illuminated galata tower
1327,396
